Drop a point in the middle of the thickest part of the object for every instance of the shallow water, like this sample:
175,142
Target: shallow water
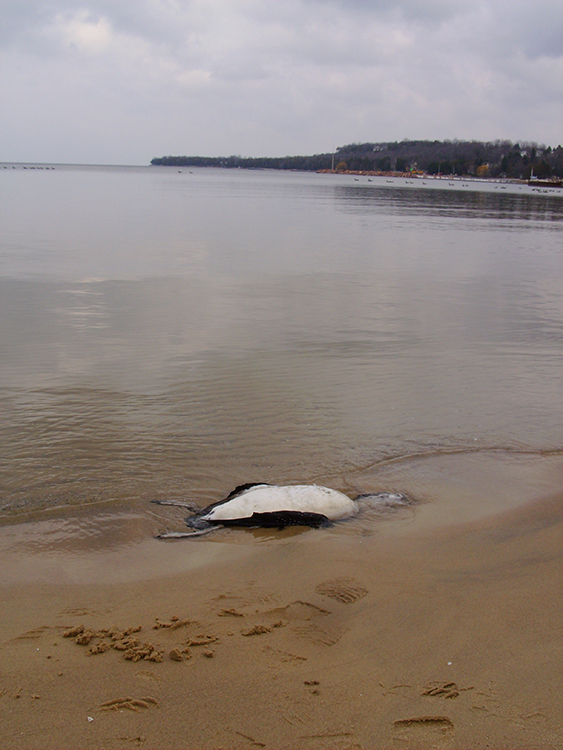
174,334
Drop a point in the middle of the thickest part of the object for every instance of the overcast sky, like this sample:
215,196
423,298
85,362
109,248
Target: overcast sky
121,81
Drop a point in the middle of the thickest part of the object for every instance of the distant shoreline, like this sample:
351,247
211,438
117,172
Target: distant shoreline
460,158
398,179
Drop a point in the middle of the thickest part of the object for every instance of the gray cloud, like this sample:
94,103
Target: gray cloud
96,80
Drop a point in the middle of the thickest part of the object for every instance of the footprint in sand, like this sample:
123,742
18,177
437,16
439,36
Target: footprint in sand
447,690
301,618
32,635
234,739
343,590
424,732
81,612
328,635
132,704
278,657
330,741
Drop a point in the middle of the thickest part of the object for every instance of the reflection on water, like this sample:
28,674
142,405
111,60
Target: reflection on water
175,335
504,208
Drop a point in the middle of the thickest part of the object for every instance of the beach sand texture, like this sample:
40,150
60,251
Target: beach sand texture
442,637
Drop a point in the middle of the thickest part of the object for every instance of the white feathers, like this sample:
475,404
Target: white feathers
302,498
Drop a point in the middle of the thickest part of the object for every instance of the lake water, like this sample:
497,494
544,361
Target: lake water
172,334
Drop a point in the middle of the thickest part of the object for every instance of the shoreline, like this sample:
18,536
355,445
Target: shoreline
416,177
420,636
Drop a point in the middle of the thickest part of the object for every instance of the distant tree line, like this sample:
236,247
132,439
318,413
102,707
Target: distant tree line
491,159
300,163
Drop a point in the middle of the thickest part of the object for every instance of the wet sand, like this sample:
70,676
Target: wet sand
442,637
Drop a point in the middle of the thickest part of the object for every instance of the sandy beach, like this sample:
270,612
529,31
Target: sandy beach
420,636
